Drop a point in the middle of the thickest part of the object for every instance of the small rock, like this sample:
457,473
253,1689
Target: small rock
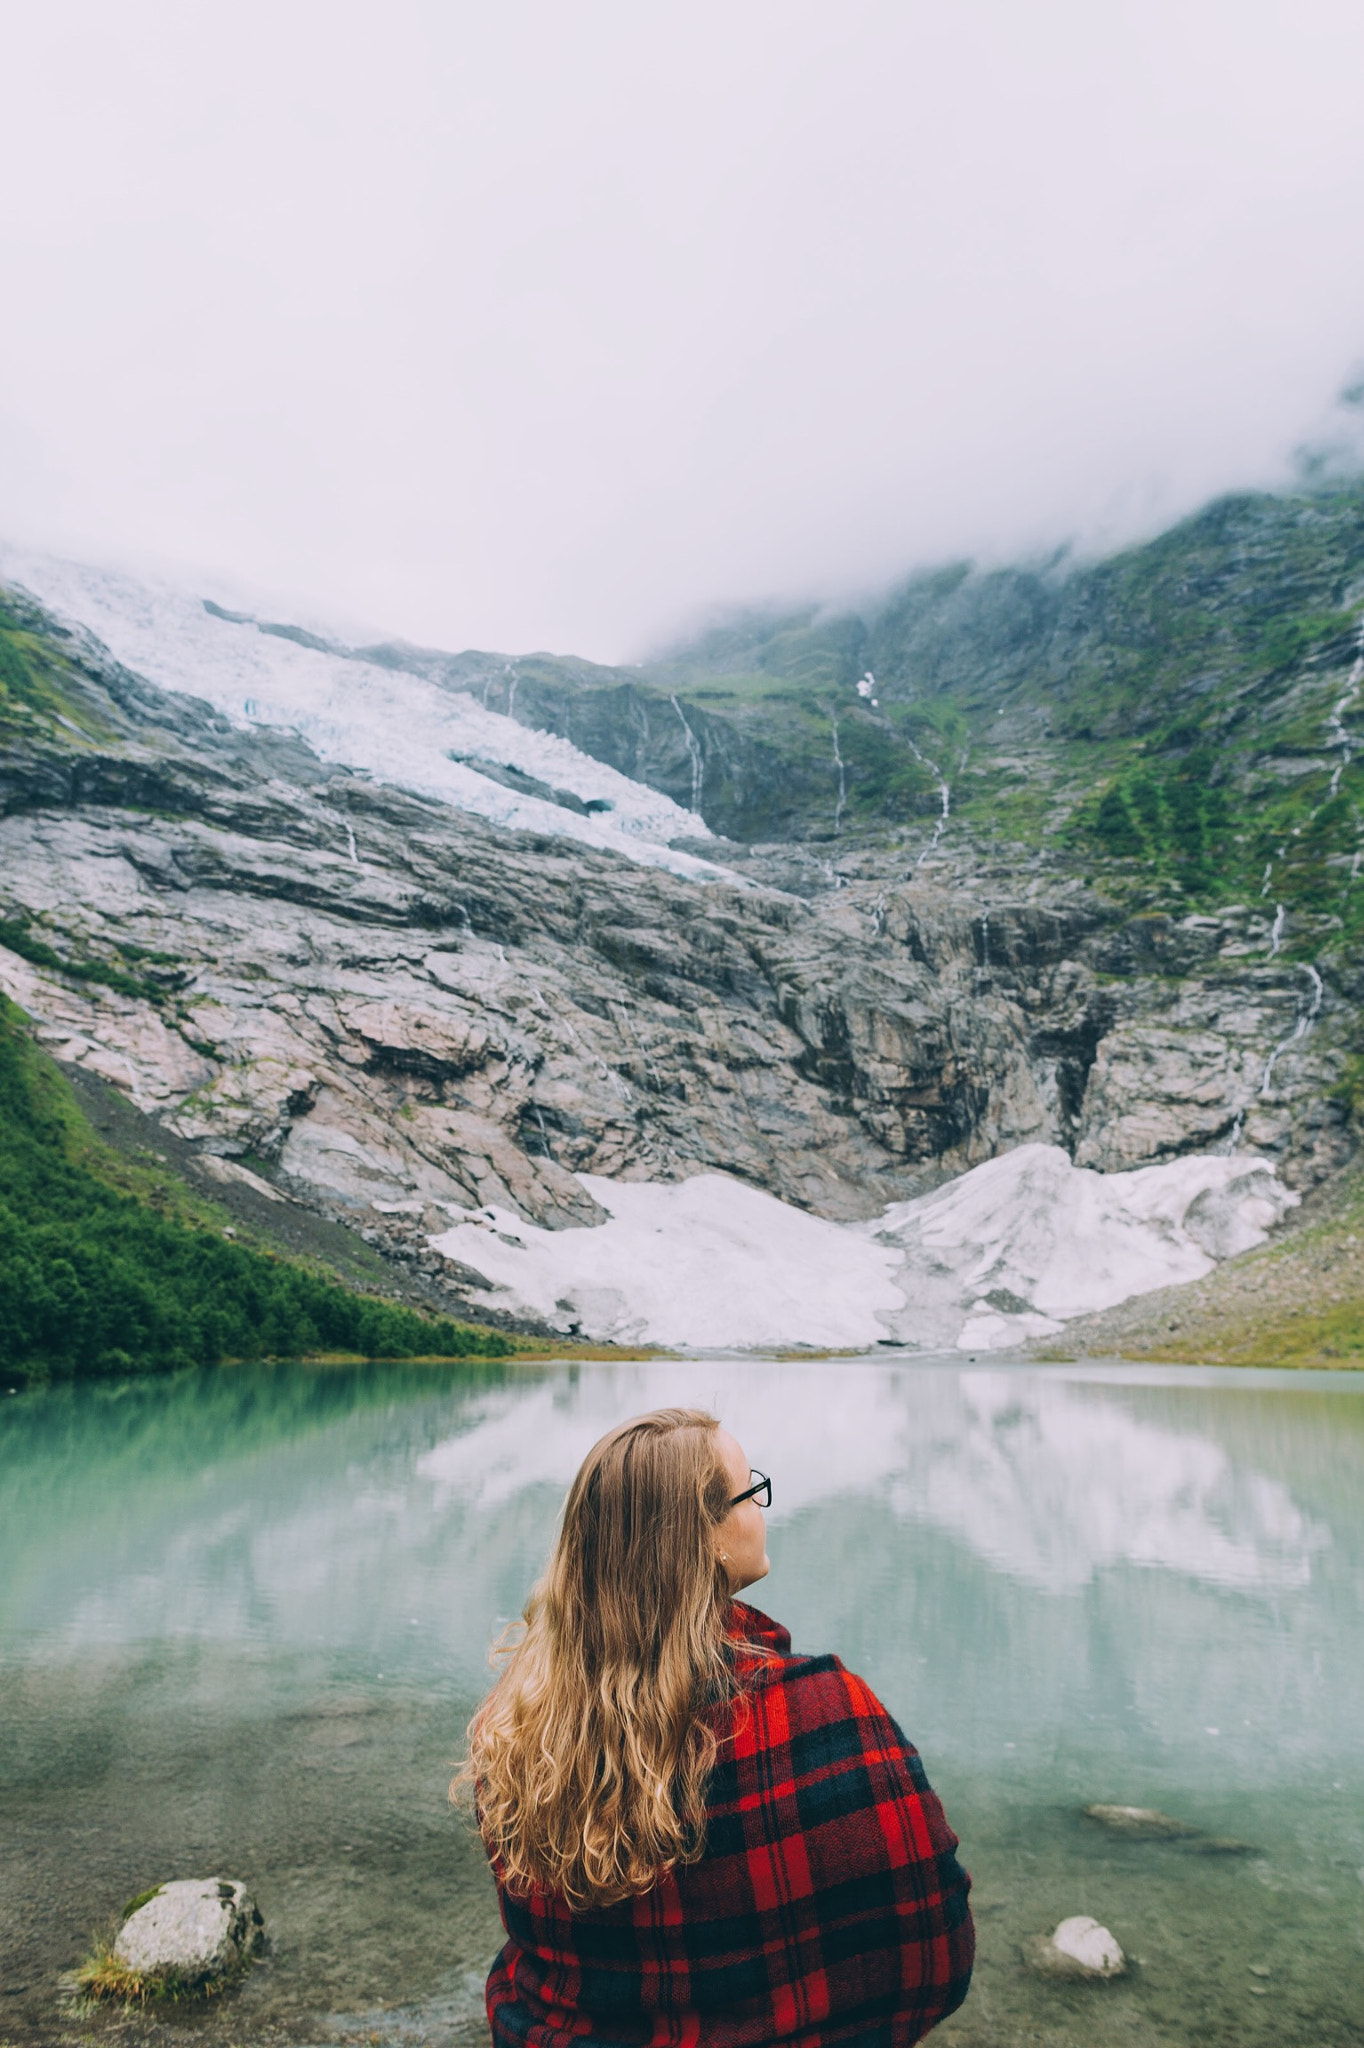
1078,1947
1140,1823
195,1929
1258,1969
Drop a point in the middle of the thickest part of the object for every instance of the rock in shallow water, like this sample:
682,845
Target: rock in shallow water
1221,1845
1077,1947
195,1929
1141,1823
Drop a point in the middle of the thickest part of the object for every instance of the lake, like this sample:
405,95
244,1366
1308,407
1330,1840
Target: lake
244,1617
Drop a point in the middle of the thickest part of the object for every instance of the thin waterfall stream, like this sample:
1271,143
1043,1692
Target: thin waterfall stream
842,803
1307,1017
944,796
694,750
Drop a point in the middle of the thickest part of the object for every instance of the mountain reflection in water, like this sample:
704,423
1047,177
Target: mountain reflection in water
244,1616
1047,1481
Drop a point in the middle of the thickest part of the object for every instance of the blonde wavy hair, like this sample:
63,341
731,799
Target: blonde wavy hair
589,1759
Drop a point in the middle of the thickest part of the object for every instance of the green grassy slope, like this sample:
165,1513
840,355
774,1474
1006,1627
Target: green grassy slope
38,687
1164,719
105,1270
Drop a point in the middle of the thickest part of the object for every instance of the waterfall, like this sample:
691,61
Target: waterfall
697,764
1335,724
842,803
1276,930
350,841
945,797
1306,1019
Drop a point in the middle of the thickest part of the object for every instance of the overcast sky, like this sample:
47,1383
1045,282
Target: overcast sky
544,325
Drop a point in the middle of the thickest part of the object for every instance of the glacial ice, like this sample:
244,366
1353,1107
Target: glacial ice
700,1262
1016,1247
1007,1251
400,727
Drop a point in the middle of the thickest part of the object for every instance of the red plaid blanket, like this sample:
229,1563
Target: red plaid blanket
828,1906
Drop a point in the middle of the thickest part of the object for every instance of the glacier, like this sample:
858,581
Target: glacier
400,727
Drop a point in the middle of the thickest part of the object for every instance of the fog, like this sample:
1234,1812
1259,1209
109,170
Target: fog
548,326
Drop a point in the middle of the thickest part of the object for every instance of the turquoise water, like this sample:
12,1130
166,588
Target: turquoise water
244,1617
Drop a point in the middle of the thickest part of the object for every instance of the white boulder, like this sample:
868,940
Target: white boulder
194,1929
1077,1947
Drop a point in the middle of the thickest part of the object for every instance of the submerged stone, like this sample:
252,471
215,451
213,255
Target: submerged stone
1141,1823
1220,1845
194,1930
1077,1947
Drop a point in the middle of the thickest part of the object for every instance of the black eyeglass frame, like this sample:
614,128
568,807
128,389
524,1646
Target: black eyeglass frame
763,1485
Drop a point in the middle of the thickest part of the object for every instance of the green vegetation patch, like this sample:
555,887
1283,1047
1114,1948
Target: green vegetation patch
95,1280
103,1980
33,679
17,933
1299,1340
1293,843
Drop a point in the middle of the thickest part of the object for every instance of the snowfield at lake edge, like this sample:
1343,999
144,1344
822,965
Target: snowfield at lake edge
1005,1252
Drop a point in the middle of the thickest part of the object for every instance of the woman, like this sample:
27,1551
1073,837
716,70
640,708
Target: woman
698,1837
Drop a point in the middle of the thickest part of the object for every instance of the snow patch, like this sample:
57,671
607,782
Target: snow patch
401,727
700,1262
1006,1252
1014,1248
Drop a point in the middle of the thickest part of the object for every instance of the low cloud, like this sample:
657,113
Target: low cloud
529,327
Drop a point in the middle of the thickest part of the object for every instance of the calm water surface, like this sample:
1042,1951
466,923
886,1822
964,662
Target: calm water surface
244,1617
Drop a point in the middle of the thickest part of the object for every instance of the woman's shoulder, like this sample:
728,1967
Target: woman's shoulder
818,1725
819,1683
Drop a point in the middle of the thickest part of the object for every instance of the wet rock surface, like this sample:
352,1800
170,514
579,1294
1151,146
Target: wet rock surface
1149,1824
1140,1823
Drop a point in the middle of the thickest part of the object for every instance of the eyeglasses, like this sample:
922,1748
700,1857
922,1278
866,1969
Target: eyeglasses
760,1491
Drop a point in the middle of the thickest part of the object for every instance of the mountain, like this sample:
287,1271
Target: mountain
835,904
1169,719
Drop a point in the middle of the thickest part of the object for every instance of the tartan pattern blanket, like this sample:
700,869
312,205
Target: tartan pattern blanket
828,1906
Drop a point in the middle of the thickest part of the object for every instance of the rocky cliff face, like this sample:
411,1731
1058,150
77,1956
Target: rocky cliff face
1205,675
382,1006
